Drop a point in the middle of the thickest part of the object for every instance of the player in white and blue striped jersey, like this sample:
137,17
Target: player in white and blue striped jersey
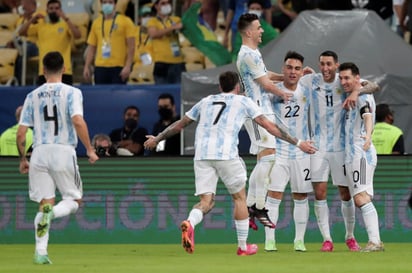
55,111
257,84
360,154
327,132
220,118
291,165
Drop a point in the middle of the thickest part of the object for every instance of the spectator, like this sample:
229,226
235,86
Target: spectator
396,19
208,11
111,44
29,9
387,138
128,140
103,145
144,50
8,146
406,18
167,111
269,33
167,54
235,10
54,33
7,6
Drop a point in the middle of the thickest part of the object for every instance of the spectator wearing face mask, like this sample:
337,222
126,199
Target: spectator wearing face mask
111,46
144,49
269,33
54,32
128,140
167,55
167,112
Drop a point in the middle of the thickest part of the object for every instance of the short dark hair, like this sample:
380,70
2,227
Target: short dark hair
294,55
329,53
245,21
350,66
250,2
53,62
228,81
53,2
131,107
167,96
382,111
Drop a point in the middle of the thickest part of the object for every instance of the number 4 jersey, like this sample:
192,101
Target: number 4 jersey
49,109
220,118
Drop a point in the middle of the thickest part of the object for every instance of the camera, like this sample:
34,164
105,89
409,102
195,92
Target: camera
101,151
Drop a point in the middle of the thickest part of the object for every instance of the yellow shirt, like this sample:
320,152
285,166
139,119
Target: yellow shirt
166,49
54,37
8,145
115,35
143,45
384,137
31,34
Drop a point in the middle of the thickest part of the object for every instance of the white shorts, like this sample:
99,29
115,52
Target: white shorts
297,171
54,166
232,173
259,137
360,176
323,163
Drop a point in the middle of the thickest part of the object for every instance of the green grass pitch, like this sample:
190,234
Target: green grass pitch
208,258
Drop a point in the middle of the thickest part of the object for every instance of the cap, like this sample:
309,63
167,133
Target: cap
145,10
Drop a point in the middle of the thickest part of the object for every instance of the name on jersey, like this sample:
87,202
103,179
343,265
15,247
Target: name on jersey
48,94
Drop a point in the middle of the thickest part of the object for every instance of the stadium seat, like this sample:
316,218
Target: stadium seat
5,37
8,21
193,55
142,74
8,58
194,67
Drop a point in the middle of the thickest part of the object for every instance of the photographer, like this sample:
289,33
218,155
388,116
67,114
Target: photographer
103,145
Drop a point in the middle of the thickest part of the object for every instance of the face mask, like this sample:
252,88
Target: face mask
130,123
54,18
166,9
144,21
107,8
257,12
165,113
20,10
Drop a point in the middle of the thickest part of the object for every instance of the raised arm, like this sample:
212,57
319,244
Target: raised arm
368,87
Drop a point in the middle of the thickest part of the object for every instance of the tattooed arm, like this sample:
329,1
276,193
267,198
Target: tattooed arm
368,87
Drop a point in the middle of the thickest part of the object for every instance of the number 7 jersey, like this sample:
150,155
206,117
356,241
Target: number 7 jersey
49,110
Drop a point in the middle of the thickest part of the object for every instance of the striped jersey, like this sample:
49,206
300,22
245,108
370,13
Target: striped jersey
49,109
294,115
220,118
326,113
250,66
355,128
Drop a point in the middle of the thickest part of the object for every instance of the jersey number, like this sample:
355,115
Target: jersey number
52,118
292,112
329,100
222,107
307,174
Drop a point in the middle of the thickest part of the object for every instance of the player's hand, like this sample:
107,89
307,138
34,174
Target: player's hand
93,157
24,166
350,101
367,143
308,70
150,143
307,146
286,96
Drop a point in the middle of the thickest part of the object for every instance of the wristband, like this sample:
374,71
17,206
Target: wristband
298,143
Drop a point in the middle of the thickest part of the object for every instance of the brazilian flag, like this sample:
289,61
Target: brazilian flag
202,37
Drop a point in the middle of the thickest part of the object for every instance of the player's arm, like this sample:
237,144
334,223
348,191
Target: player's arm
83,134
170,131
368,87
305,146
267,84
368,121
21,147
276,77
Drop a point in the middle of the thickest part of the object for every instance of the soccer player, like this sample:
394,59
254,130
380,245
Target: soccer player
55,111
257,84
327,119
220,117
291,164
360,154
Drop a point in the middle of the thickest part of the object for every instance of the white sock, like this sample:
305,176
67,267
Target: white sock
272,205
242,231
195,217
322,216
370,217
41,242
348,213
263,172
300,216
65,207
